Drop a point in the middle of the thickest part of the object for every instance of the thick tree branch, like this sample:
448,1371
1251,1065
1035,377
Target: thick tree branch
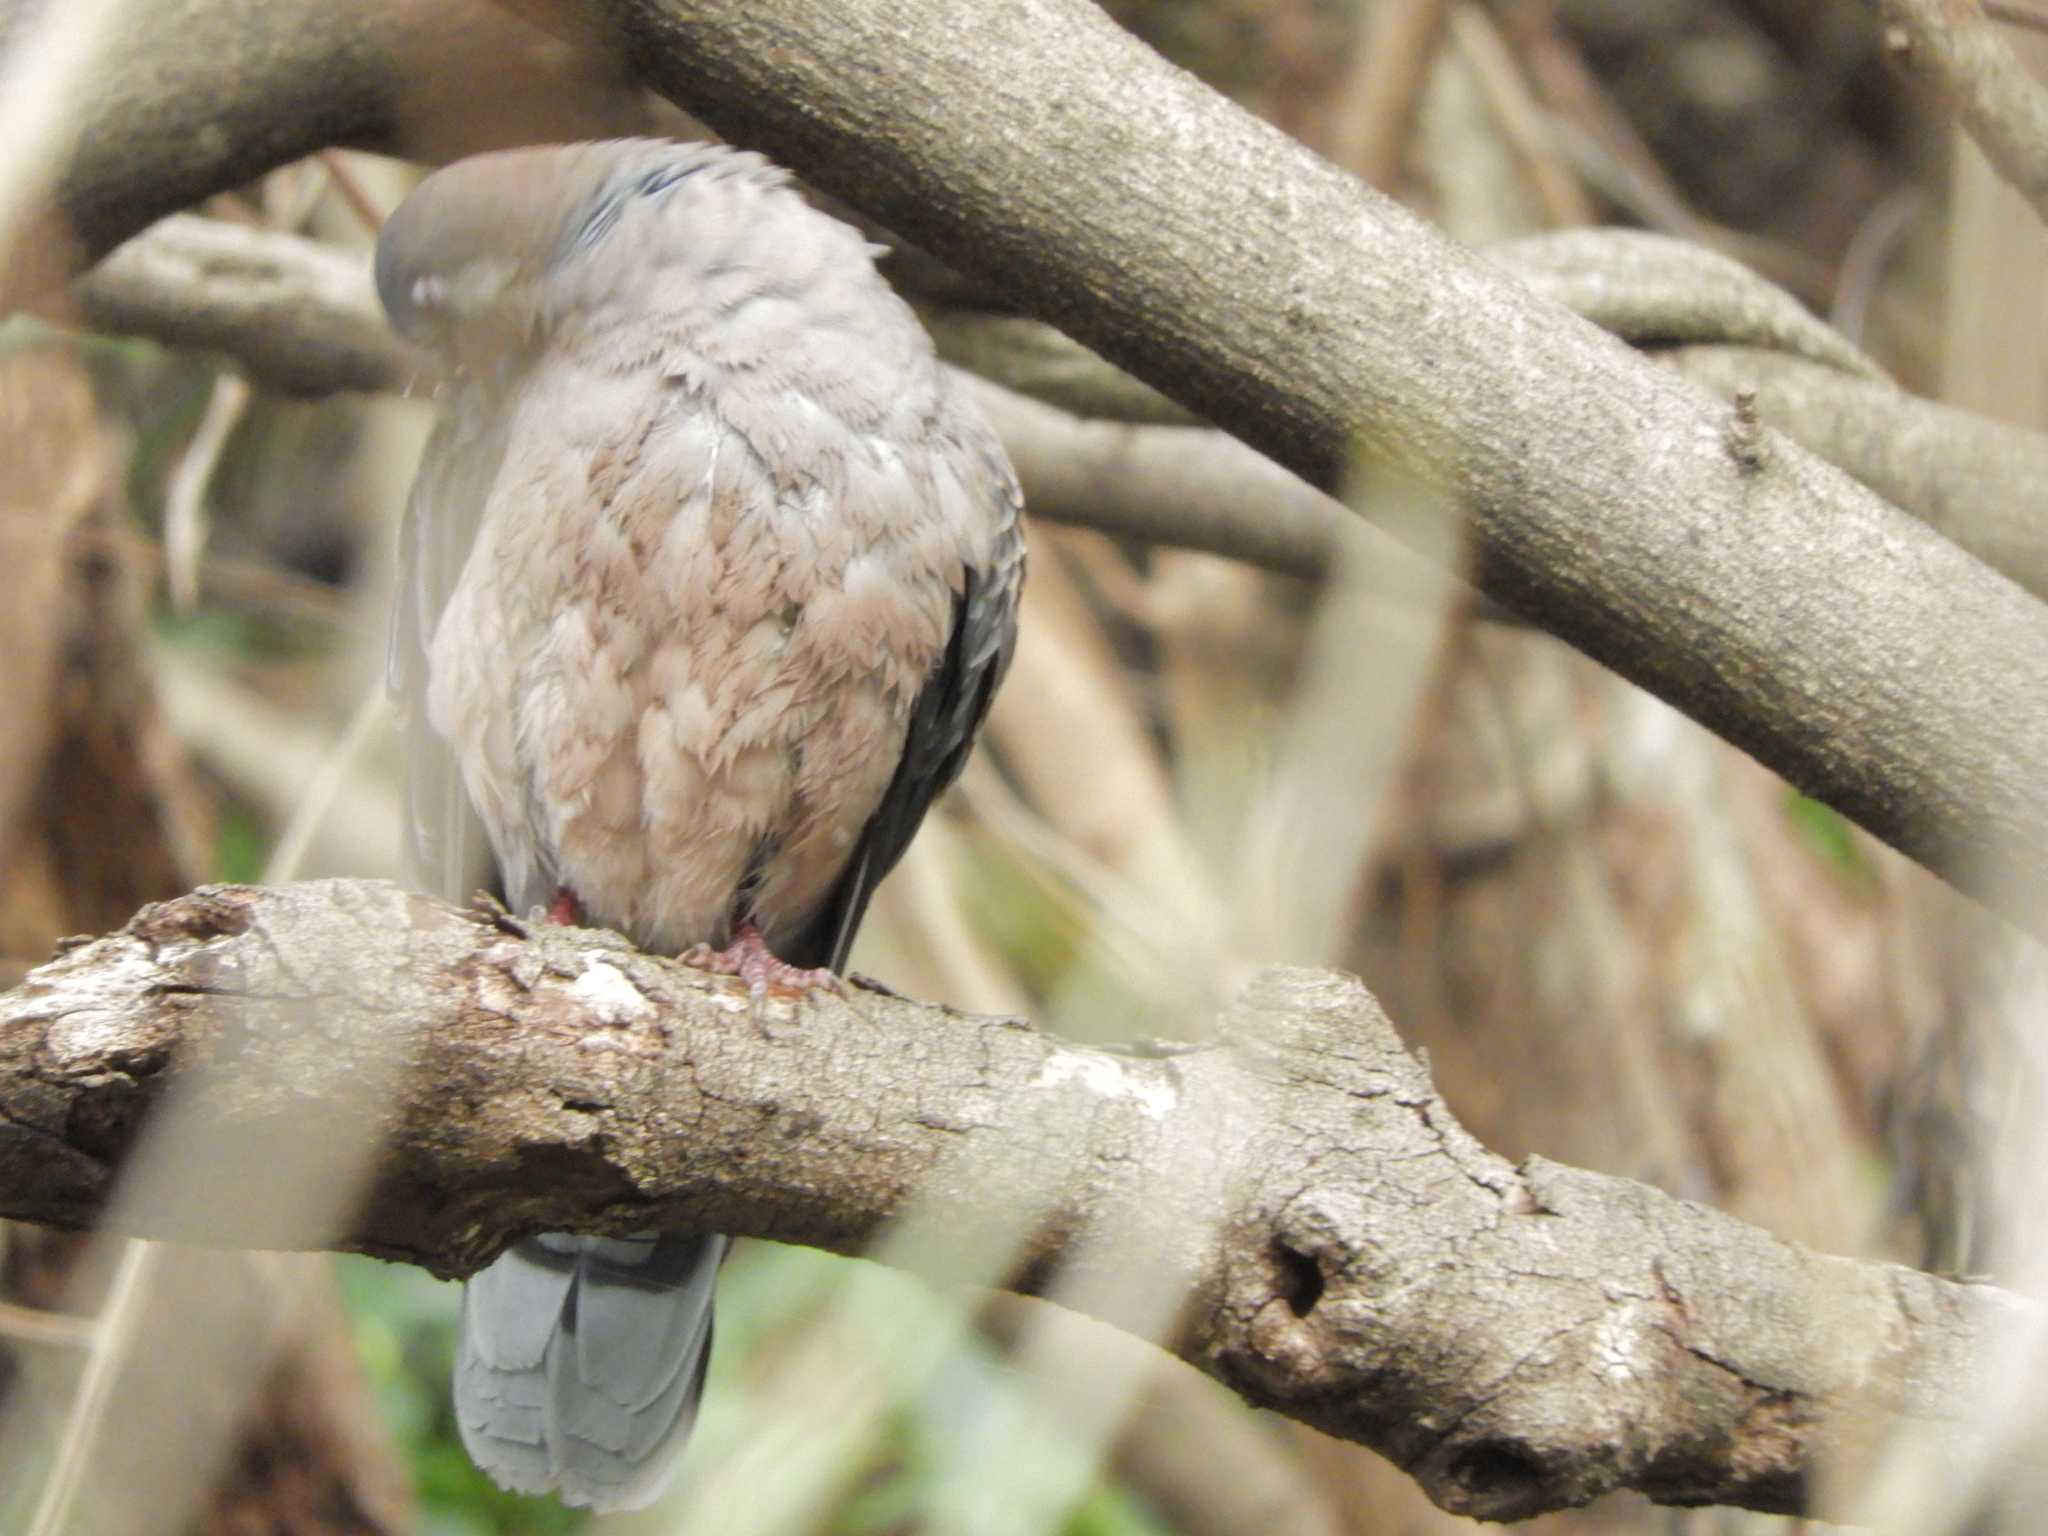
1033,143
1519,1339
204,95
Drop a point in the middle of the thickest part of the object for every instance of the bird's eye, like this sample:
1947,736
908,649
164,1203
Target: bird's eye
428,292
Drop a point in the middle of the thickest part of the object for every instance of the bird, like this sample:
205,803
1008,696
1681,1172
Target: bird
708,575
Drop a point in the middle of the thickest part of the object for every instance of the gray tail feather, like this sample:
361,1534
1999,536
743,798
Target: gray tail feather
582,1360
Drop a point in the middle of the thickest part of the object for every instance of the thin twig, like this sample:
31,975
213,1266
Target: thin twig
246,582
352,191
1601,141
185,520
38,1325
1522,120
1376,108
1877,239
116,1328
335,769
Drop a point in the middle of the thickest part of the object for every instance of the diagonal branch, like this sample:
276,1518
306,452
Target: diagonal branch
1952,46
1520,1339
1866,659
1036,147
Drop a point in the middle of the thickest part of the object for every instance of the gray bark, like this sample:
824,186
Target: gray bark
1864,658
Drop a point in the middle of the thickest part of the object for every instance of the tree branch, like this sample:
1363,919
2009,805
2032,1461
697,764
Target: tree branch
1226,265
300,317
1972,479
1519,1339
295,315
1952,46
205,95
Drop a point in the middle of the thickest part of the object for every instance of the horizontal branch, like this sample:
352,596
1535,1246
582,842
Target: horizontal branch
1520,1339
296,315
300,317
197,97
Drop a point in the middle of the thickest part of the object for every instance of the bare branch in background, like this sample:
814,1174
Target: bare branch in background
1520,1339
201,98
2018,13
1185,487
1034,359
1652,290
296,315
186,523
300,317
1522,120
1952,46
1389,68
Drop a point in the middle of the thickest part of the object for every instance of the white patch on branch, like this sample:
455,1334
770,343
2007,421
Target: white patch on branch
1617,1343
604,989
1112,1079
85,1033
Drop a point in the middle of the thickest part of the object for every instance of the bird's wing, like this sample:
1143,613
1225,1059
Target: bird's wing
949,711
446,842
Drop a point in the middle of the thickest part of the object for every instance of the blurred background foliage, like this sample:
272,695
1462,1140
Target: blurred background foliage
404,1324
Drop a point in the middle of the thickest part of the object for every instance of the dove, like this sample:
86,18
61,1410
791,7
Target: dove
707,578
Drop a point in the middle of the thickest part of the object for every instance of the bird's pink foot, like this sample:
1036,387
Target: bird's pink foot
565,910
749,958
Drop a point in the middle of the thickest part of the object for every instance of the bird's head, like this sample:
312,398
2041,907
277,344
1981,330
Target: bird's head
476,257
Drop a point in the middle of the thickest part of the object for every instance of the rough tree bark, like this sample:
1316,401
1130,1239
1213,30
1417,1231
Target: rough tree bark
1519,1339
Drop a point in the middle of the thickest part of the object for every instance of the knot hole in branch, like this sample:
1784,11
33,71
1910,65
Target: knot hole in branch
1495,1479
1301,1278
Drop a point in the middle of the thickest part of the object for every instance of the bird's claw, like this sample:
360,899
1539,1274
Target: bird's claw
498,915
766,975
